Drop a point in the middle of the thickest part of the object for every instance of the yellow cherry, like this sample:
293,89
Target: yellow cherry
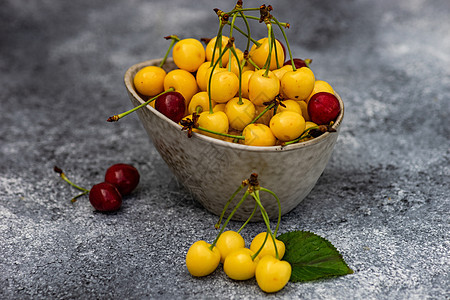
149,81
320,86
219,107
269,248
217,122
239,114
298,84
244,82
260,53
208,75
258,135
200,76
281,71
287,125
201,260
291,105
188,54
210,48
272,274
200,103
183,82
228,242
263,88
224,86
239,264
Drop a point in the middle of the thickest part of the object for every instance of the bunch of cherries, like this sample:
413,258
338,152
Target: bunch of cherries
261,260
253,96
120,180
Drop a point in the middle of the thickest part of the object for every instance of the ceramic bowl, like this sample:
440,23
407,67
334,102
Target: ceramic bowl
212,169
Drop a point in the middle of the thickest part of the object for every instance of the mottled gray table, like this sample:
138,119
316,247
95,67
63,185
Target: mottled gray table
383,199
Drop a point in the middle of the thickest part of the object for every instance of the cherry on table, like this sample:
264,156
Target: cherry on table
323,108
172,105
124,177
105,197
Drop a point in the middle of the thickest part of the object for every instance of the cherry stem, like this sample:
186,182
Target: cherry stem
275,109
262,246
64,177
227,204
228,219
269,56
240,74
249,218
232,51
239,137
216,44
302,136
199,109
74,199
267,221
287,42
249,38
286,25
279,208
231,35
255,195
262,113
243,9
247,35
173,39
274,45
219,60
116,118
253,63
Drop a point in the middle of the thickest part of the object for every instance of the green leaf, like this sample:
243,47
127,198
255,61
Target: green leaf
312,257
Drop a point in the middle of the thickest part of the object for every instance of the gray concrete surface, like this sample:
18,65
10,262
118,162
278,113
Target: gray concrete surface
383,200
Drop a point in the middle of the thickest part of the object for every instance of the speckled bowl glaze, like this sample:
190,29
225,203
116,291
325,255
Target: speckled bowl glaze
213,169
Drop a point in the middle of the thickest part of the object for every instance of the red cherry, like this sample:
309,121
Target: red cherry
298,63
105,197
124,177
172,105
323,108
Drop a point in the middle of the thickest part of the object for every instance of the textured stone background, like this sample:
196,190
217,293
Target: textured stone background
383,200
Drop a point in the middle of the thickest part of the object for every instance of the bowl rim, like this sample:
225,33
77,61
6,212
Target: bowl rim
128,80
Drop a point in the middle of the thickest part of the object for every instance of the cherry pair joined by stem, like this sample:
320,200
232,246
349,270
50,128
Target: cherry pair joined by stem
120,180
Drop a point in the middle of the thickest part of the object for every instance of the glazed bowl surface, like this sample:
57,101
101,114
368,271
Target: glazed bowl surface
212,169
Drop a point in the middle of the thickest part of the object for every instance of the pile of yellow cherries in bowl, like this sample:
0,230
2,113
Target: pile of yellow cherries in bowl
257,95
